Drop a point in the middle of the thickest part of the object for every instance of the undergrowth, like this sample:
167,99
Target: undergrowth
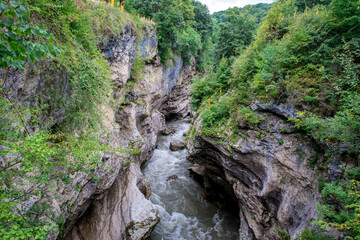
41,151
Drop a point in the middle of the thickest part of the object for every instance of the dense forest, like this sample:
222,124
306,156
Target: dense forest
304,53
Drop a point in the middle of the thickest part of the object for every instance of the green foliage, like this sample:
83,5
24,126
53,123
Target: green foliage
203,23
139,65
203,88
283,234
344,127
259,11
247,115
297,58
189,42
206,56
182,25
314,234
275,23
216,114
40,157
21,40
341,207
236,33
345,19
322,183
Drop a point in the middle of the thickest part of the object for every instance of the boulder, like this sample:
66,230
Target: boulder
172,177
168,131
177,145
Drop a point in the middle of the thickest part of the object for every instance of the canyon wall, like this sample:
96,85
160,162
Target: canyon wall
115,205
267,168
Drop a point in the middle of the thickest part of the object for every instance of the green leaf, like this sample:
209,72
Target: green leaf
38,55
22,10
8,22
3,7
15,4
35,31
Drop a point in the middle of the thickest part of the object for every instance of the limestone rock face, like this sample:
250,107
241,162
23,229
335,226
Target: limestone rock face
115,207
123,212
268,169
179,97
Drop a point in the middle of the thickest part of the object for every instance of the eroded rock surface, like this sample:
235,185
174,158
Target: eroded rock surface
115,206
123,210
268,169
121,213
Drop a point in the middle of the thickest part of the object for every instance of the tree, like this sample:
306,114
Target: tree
203,23
236,33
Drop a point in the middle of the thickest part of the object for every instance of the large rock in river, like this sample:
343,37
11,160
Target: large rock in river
177,145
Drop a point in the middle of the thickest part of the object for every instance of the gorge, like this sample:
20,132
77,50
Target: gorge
264,100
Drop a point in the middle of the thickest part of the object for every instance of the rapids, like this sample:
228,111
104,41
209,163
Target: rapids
184,213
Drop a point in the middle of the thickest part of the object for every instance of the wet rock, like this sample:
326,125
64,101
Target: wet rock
177,145
144,187
172,177
197,169
168,131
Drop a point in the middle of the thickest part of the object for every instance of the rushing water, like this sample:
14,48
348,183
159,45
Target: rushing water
184,213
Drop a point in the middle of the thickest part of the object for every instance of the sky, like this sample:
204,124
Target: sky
218,5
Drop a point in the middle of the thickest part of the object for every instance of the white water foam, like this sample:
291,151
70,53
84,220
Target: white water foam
185,215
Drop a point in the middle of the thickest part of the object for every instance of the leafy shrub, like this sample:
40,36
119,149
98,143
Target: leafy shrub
204,88
283,234
41,156
18,36
245,113
314,234
189,42
341,207
139,65
216,114
235,33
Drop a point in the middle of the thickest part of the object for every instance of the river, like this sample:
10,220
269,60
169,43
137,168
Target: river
184,213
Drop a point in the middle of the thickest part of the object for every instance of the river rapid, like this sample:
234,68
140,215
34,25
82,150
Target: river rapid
184,213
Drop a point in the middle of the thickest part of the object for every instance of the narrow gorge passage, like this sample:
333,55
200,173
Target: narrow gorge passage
184,213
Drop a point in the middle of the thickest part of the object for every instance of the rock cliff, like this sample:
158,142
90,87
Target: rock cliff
115,205
123,211
268,170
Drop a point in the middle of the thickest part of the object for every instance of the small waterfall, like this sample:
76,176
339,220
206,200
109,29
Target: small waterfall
184,213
